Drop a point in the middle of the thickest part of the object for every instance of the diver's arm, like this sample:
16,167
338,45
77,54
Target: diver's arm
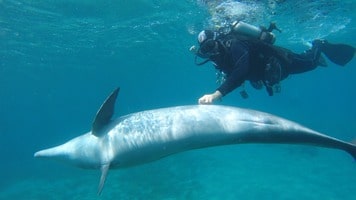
232,82
240,55
210,98
235,78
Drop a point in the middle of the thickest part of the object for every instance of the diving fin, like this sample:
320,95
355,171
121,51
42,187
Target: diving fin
322,62
339,54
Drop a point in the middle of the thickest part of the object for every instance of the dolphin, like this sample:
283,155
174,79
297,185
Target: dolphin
147,136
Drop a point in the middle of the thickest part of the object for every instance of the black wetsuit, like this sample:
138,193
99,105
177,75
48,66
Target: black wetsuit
244,60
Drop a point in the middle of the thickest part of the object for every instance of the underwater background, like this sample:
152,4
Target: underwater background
59,60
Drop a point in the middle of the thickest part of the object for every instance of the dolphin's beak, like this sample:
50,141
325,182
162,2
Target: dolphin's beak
54,152
43,153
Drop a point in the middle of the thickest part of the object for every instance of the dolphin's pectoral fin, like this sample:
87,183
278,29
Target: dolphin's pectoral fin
104,114
104,171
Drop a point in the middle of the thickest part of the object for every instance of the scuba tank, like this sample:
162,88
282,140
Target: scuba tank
259,33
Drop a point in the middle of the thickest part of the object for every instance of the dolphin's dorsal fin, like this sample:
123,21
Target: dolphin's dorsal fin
104,172
104,114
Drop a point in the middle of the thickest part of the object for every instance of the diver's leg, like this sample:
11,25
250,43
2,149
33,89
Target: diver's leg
306,61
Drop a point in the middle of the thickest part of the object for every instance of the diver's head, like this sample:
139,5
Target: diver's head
208,45
206,34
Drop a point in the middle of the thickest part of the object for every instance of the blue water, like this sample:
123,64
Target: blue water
60,59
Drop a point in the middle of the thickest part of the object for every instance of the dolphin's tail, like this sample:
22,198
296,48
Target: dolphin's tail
352,149
353,153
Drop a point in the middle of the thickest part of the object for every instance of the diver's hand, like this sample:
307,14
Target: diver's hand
210,98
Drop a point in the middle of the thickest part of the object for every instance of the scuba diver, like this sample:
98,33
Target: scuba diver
247,53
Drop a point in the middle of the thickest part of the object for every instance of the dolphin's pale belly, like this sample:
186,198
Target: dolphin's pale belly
151,135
